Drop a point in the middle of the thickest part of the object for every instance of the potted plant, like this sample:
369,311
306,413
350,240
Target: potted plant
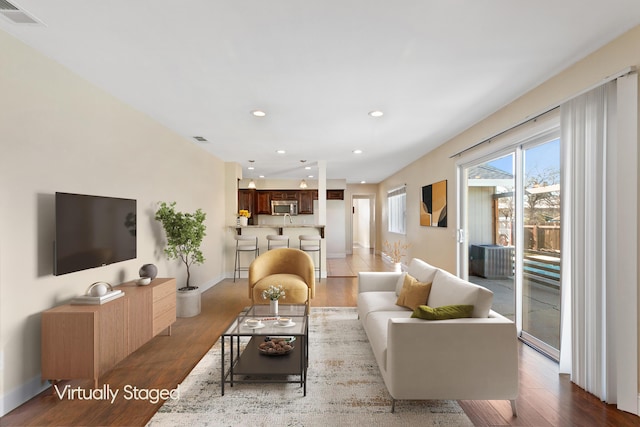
185,232
243,217
396,251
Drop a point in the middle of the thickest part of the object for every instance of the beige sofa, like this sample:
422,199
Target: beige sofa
463,359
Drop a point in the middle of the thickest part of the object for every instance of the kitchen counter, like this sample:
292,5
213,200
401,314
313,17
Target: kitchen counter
279,228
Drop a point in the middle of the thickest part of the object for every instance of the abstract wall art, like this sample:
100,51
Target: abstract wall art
433,209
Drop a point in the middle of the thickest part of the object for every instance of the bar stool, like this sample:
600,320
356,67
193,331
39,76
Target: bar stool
312,243
277,241
244,244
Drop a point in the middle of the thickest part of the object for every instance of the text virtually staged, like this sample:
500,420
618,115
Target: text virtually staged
129,392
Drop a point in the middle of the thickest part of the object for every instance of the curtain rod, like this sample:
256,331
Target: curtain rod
624,72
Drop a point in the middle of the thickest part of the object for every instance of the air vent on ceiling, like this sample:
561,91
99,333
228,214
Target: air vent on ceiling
15,15
200,138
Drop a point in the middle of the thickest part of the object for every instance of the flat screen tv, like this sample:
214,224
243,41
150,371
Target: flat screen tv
92,231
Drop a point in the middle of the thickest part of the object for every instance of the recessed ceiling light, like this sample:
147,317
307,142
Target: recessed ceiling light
310,176
308,168
376,113
258,113
280,151
357,151
363,182
251,168
261,176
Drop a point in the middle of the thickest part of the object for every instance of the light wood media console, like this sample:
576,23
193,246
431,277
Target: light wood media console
86,341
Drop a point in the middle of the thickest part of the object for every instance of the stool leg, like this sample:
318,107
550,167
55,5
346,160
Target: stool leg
320,265
235,265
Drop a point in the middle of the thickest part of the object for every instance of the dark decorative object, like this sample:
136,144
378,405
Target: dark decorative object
433,209
149,270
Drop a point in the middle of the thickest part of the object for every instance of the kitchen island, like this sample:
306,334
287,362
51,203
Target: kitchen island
280,229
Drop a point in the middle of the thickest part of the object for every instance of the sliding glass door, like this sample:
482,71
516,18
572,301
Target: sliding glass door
510,220
541,254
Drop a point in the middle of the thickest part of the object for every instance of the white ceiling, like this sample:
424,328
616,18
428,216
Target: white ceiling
434,67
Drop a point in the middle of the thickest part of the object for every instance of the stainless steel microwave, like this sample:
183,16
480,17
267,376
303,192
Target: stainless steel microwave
283,207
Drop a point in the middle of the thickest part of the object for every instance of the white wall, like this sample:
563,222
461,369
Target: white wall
60,133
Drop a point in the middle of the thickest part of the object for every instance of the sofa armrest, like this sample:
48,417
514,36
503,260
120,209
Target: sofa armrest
370,281
452,359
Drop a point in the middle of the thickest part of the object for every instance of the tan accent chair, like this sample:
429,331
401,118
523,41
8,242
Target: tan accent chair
290,268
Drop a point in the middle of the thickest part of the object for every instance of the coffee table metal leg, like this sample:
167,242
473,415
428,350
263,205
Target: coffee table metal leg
231,361
222,367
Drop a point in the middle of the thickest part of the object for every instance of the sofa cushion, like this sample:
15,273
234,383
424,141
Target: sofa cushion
413,293
448,289
443,313
422,271
369,302
296,289
377,328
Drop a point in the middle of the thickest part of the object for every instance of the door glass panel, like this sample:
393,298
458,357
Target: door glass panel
490,230
541,263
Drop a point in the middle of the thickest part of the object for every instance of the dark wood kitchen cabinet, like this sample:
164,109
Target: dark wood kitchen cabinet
263,203
247,201
305,202
335,194
284,195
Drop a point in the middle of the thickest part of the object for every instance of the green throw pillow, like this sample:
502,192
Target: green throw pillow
442,313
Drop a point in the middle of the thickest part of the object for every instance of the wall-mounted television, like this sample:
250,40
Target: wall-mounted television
92,231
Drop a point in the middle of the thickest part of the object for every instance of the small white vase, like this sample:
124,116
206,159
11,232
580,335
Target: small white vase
397,267
273,306
243,221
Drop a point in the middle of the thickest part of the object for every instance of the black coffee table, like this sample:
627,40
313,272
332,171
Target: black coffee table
244,363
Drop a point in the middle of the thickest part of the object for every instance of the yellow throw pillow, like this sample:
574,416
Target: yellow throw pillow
413,293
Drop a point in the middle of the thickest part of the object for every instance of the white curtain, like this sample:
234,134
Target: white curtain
599,328
586,132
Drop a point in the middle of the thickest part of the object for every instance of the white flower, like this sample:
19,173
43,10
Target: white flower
273,293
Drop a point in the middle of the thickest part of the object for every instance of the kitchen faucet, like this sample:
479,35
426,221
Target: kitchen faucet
284,219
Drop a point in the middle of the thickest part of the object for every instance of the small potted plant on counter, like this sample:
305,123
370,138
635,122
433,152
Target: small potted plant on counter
243,217
185,232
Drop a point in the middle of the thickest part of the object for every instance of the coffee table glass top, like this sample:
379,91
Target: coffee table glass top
268,323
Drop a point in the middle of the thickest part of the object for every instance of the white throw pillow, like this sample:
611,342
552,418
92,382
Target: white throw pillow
422,271
448,289
400,283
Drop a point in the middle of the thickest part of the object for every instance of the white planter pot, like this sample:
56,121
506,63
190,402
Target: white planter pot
188,303
397,267
243,221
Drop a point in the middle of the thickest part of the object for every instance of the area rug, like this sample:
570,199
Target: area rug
344,387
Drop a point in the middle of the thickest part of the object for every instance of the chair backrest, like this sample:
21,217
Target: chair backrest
246,240
283,260
310,242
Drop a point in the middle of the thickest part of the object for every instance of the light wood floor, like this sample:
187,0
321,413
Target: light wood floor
546,398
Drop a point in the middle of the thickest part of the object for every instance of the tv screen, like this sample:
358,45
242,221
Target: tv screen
92,231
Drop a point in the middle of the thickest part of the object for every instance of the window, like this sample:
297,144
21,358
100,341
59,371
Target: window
397,207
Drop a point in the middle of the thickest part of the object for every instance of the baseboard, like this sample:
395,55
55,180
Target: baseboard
21,394
210,283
